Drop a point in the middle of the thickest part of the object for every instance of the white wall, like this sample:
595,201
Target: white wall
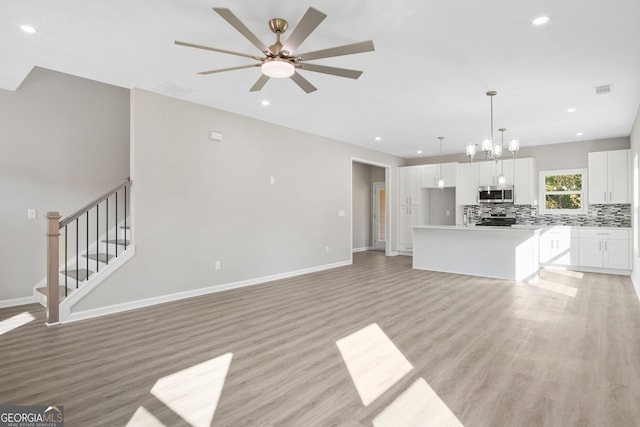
635,158
196,201
64,141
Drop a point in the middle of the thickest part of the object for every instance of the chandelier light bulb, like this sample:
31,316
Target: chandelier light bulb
502,180
470,148
514,145
487,145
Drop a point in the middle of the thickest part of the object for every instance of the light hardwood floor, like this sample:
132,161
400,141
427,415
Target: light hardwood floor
563,352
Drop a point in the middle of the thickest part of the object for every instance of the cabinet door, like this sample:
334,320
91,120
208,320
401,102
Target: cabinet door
467,184
409,190
546,248
566,251
429,175
590,252
487,173
618,176
449,173
408,217
523,181
598,171
616,254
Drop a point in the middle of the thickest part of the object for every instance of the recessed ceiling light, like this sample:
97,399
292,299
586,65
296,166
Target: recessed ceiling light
540,20
27,29
571,110
419,151
265,102
378,138
579,134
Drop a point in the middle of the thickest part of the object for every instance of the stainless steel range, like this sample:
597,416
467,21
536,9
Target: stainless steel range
498,220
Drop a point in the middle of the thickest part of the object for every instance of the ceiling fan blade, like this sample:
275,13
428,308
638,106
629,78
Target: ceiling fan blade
260,83
232,19
215,49
348,49
303,83
334,71
221,70
309,22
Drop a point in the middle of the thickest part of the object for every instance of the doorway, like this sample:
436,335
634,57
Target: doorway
379,216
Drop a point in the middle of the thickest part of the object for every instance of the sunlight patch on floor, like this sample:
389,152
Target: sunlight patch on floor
419,405
15,322
558,288
143,418
564,272
373,361
193,393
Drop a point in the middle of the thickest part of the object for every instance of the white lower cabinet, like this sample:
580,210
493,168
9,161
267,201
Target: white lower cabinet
605,248
407,218
559,246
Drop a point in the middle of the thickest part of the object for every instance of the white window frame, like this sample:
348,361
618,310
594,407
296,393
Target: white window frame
542,193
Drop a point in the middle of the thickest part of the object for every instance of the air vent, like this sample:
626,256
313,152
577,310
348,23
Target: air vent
603,90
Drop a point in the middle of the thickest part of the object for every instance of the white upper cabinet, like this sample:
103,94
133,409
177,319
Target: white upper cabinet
409,178
467,184
524,181
431,173
487,173
609,177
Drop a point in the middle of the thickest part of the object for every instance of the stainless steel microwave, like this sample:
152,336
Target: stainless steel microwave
495,194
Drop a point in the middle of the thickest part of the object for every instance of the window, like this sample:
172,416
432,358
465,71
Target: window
563,191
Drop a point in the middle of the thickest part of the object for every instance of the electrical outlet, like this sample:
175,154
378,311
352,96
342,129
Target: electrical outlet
31,213
326,249
218,265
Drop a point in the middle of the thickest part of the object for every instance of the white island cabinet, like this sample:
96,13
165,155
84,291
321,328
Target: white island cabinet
500,252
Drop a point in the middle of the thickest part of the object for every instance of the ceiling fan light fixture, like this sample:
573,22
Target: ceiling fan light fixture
277,68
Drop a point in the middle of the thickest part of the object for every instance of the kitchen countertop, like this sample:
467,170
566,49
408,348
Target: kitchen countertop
480,228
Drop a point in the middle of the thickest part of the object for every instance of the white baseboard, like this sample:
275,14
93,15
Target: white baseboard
368,248
17,301
132,305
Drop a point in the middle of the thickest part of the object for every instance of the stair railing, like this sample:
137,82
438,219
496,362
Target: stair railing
82,230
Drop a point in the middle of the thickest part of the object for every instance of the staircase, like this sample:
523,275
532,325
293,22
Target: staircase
89,245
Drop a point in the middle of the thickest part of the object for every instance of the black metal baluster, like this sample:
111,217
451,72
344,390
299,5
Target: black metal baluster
86,254
116,224
66,260
97,236
125,218
77,257
106,230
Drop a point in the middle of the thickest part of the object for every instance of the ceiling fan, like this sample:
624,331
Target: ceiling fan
279,61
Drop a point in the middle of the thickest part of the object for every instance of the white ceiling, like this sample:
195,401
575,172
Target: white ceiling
428,76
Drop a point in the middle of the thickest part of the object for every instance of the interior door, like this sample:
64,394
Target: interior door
379,216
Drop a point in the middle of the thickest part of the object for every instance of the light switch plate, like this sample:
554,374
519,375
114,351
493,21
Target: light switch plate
32,213
341,213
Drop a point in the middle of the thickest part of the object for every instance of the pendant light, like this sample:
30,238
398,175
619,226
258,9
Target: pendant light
488,146
502,180
440,178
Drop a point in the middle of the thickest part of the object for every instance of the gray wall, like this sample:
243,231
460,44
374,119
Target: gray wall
64,142
363,178
635,213
570,155
441,201
197,201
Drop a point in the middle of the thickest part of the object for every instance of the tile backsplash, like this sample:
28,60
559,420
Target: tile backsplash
597,215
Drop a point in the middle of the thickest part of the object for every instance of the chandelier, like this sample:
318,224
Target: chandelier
492,149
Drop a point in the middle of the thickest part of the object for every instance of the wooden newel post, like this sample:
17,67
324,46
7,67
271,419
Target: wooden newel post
53,264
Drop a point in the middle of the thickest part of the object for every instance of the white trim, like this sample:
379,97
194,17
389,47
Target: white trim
132,305
17,301
77,295
542,192
587,269
368,248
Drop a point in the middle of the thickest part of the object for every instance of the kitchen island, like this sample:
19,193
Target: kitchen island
498,252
